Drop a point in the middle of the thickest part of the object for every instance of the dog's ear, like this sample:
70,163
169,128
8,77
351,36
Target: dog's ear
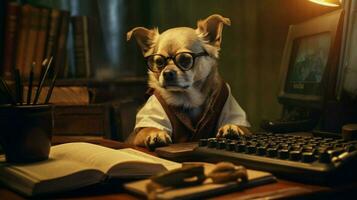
144,37
211,28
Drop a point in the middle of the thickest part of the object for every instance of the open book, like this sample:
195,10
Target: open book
207,189
74,165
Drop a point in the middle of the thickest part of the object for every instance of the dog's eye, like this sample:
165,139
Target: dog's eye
184,60
156,62
159,61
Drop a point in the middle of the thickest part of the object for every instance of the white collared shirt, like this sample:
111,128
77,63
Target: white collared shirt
154,115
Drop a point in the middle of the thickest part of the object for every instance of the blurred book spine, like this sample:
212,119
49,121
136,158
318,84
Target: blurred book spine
41,40
11,27
32,34
22,37
61,51
82,50
34,24
37,30
53,32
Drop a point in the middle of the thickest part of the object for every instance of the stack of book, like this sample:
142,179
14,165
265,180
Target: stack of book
33,34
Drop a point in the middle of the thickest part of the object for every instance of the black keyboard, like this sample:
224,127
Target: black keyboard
308,159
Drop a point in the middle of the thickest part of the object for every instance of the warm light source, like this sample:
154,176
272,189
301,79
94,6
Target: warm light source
331,3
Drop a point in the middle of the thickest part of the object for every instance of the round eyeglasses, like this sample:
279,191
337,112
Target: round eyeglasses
184,60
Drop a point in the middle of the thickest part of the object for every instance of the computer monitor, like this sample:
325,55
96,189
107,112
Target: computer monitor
310,61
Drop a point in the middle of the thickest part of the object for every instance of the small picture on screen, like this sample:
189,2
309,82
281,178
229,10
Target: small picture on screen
308,63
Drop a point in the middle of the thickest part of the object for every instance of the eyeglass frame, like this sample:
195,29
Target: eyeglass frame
194,56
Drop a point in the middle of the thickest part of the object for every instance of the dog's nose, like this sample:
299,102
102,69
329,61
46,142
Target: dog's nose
169,75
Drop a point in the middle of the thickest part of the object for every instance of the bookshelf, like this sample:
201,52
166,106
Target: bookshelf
84,39
35,29
33,34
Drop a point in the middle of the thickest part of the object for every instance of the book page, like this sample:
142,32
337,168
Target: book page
170,165
145,165
100,157
49,169
48,176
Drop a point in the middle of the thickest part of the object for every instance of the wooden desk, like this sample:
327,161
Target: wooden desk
280,189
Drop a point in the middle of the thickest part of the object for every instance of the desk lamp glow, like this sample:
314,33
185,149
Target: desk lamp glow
331,3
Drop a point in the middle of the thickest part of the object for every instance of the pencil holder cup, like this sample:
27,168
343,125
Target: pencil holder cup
26,132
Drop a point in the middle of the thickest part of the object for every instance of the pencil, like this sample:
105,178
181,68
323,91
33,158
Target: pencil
29,91
19,90
49,93
43,78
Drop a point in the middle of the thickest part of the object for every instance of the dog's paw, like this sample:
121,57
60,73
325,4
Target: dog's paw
157,138
231,131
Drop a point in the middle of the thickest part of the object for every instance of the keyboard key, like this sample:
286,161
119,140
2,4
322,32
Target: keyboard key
230,146
272,152
283,153
307,157
335,152
295,155
212,142
261,151
324,157
240,147
307,148
221,144
251,149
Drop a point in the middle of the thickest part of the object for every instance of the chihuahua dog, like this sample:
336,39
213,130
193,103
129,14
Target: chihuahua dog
189,99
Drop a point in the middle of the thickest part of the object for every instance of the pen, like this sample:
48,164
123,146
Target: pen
29,91
49,93
43,78
19,89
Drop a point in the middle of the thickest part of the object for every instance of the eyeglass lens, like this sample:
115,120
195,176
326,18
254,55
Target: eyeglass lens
182,60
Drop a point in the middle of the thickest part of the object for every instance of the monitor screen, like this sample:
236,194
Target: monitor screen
310,61
307,64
